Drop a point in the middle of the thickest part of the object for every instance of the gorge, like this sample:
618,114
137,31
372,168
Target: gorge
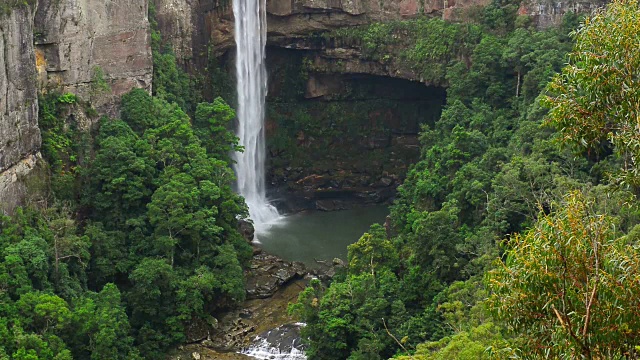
415,147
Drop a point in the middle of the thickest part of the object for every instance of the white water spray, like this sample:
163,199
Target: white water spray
251,73
281,343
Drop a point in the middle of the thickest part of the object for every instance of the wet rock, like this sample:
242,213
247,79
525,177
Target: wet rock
325,205
270,288
267,273
325,271
331,205
384,182
313,181
384,194
239,327
199,329
231,334
378,142
246,229
186,353
406,141
328,274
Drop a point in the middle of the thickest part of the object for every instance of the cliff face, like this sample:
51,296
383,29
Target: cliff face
292,20
19,133
194,27
548,13
200,28
79,41
96,49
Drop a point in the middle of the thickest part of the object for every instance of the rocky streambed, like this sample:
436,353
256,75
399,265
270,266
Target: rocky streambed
261,320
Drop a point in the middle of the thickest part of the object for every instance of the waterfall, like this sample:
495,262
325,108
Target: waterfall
251,73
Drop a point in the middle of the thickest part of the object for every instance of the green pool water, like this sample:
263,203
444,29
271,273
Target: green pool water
311,236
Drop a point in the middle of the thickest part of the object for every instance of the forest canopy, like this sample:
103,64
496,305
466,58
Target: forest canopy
140,240
508,240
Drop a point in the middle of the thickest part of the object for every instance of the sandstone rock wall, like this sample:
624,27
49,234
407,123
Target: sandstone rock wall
21,181
194,27
289,20
64,45
175,20
548,13
19,132
190,26
77,39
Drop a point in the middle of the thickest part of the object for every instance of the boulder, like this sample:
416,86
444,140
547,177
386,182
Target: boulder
267,273
246,229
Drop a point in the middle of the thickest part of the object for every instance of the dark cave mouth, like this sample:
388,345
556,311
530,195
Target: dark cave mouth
339,140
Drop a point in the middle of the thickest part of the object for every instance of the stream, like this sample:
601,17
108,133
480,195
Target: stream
309,237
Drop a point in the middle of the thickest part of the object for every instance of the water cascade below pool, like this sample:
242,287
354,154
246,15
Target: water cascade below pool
282,343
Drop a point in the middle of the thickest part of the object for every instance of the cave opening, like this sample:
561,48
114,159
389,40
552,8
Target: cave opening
336,140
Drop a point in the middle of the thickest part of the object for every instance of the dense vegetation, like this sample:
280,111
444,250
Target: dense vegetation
514,236
429,286
135,242
134,234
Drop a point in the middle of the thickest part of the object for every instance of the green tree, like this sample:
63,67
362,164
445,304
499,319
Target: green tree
566,286
112,340
152,304
596,99
211,123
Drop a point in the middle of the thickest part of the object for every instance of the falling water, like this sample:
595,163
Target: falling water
281,343
251,36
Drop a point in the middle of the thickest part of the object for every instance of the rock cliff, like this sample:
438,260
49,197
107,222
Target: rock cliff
191,25
94,48
195,27
80,44
19,133
548,13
